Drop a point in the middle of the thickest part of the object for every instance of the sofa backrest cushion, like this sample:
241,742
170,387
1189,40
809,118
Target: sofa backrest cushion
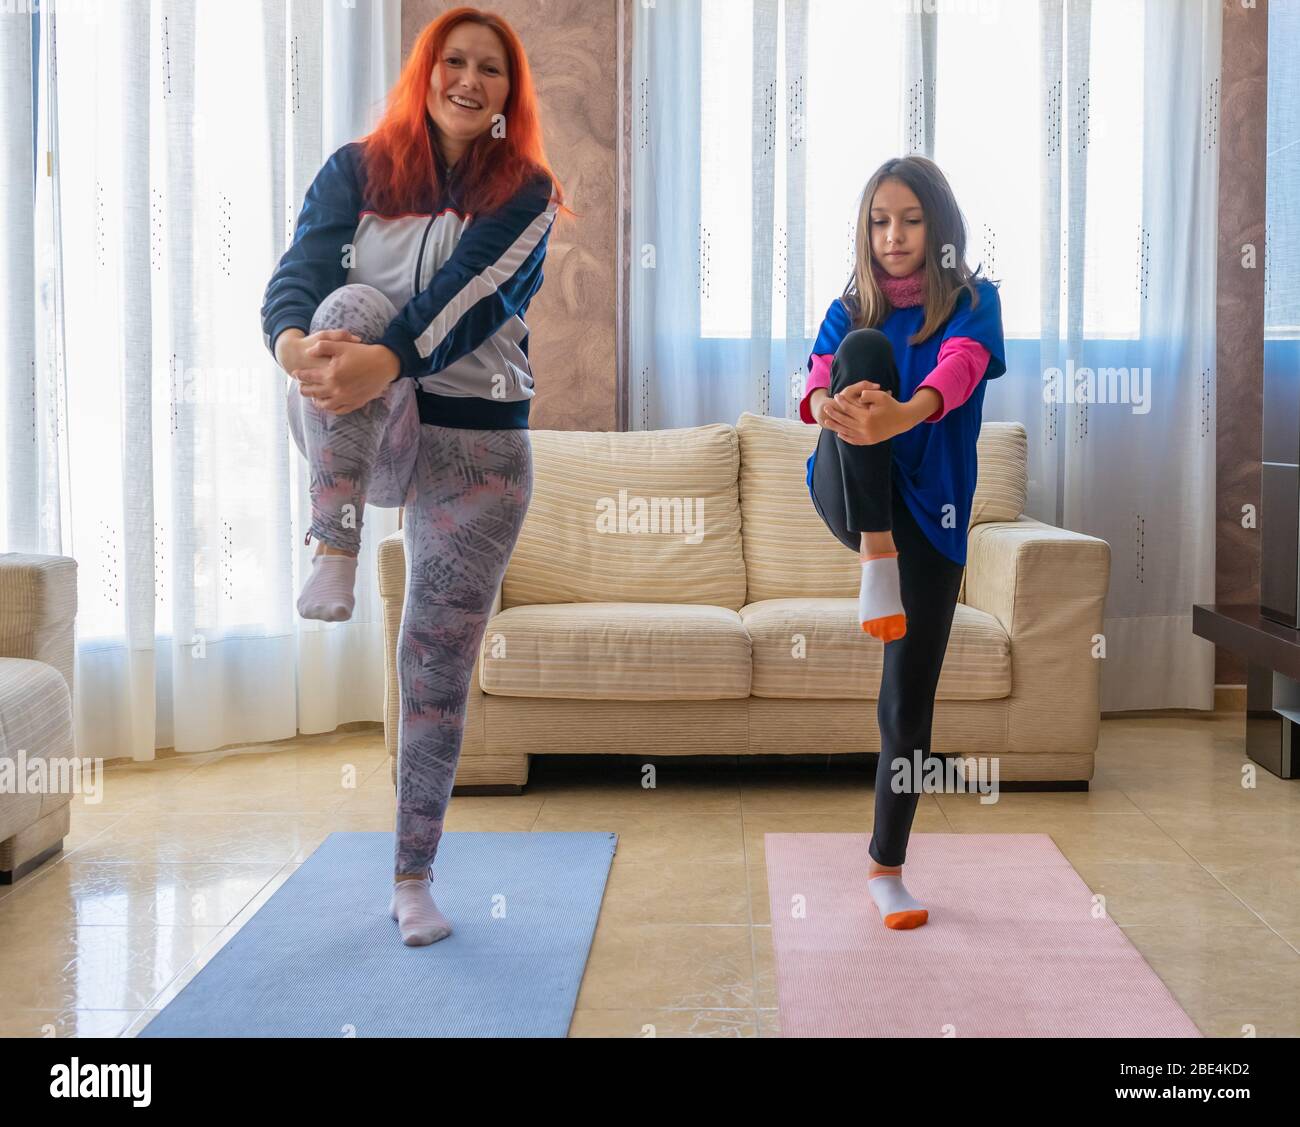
1002,453
631,516
790,553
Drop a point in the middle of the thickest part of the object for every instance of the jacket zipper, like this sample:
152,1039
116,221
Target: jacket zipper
419,258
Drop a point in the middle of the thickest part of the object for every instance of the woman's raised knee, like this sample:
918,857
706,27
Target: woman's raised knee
357,308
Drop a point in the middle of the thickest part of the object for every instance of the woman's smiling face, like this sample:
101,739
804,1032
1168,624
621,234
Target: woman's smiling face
478,83
897,229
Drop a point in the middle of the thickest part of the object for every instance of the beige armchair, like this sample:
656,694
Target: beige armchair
38,608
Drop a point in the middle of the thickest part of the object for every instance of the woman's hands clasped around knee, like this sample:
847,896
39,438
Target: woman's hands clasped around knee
352,374
294,350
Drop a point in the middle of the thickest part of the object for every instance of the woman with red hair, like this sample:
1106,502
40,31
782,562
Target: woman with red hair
398,312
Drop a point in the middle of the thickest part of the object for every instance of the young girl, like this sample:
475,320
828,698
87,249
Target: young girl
398,310
896,380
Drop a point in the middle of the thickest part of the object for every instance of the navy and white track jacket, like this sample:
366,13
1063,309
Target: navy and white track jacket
461,283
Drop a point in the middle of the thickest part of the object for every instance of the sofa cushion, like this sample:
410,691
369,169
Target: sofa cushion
631,516
1002,454
38,606
790,553
616,651
816,649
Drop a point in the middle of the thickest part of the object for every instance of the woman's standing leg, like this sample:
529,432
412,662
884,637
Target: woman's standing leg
468,499
362,456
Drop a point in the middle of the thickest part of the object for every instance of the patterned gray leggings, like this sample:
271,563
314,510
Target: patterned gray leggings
466,493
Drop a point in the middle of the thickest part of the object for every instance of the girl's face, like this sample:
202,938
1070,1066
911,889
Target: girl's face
478,83
897,229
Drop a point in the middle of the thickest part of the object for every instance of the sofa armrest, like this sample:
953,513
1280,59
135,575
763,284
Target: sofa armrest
38,609
1047,587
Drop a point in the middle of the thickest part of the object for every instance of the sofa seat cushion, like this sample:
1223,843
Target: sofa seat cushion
816,649
616,651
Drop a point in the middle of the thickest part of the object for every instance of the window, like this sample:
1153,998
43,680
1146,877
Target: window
989,136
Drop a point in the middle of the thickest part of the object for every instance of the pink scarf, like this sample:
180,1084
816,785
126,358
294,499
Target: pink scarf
901,292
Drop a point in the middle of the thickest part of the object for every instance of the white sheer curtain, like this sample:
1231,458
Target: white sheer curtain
1080,137
144,422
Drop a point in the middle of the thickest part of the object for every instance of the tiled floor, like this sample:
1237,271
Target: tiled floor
1202,874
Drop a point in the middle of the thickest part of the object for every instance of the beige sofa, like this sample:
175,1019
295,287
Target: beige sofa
740,636
38,608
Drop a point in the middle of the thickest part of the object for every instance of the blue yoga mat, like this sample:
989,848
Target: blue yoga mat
322,958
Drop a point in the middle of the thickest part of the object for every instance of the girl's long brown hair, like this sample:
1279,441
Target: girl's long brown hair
945,236
401,171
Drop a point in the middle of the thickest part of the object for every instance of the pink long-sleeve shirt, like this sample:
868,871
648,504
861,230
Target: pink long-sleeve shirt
961,365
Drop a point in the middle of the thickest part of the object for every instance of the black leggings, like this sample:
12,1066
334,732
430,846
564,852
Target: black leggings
854,491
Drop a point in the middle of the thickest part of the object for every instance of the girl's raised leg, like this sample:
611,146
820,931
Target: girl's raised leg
851,487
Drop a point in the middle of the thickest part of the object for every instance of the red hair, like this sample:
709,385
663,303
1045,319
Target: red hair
401,171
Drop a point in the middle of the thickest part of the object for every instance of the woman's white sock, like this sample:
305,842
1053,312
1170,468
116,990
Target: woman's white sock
327,594
418,920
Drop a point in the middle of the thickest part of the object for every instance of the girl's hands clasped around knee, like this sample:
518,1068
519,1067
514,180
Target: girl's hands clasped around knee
864,414
822,396
854,418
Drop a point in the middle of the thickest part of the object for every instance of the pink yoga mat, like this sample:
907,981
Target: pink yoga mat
1012,948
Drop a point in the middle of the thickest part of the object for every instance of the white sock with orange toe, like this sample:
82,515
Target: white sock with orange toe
880,606
898,908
